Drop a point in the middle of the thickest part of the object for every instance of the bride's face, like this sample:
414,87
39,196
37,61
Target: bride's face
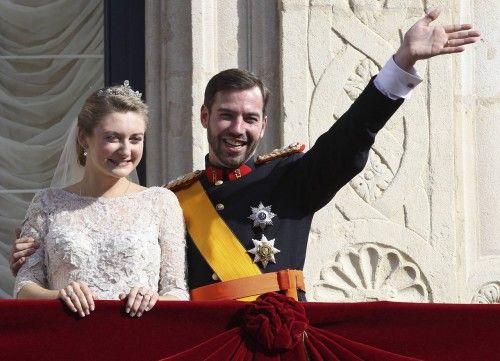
116,144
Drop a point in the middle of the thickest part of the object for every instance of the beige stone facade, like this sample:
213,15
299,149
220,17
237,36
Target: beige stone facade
419,223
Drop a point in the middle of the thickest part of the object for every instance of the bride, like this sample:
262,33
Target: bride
105,237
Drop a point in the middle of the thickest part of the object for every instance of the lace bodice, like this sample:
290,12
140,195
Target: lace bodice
112,244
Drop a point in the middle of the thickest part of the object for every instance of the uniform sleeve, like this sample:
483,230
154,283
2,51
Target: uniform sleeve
341,152
35,226
173,249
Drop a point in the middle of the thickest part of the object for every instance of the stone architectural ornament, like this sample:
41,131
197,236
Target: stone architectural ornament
368,11
489,293
371,272
374,180
379,172
357,81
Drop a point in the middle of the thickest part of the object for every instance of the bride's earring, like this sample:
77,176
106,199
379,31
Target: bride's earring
85,152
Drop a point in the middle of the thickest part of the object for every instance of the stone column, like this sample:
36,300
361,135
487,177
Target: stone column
187,43
482,111
168,90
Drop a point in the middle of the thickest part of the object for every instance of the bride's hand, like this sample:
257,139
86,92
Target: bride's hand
78,297
139,300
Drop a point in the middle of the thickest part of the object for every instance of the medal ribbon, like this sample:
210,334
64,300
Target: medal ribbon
214,239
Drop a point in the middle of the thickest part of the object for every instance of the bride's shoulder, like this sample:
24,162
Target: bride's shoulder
158,193
161,191
47,199
163,197
50,193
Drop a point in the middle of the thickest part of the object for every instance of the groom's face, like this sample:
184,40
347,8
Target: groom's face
235,125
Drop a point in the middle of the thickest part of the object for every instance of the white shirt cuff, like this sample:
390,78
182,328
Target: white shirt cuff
394,82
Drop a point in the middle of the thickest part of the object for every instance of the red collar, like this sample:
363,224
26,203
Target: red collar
215,174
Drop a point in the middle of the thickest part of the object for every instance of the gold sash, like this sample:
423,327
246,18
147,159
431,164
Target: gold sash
214,239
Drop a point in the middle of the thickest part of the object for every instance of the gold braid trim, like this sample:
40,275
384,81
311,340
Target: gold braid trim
184,181
280,153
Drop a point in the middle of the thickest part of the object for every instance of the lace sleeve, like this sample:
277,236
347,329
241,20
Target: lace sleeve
173,248
35,226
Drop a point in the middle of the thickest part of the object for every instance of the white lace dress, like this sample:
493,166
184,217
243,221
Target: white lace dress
112,244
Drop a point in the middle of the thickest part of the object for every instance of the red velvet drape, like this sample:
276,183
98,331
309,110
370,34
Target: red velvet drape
274,328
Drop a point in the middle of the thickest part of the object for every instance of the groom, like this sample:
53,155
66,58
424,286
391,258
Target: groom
248,219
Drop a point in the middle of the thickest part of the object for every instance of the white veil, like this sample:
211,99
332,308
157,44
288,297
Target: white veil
68,170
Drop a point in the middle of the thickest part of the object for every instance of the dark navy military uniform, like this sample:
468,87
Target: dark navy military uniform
295,186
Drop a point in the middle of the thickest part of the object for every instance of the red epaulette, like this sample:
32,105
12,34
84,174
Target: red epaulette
280,153
184,181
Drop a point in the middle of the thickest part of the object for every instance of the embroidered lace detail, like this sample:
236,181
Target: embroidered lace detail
113,244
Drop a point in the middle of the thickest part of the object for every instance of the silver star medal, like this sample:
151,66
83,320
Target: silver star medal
262,216
264,251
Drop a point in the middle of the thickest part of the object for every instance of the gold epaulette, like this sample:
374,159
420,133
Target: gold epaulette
280,153
184,181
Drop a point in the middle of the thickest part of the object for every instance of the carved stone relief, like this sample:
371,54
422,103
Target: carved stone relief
368,11
378,173
405,188
489,293
373,180
393,182
371,272
405,199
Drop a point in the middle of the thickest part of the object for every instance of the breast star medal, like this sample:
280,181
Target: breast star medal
264,251
262,216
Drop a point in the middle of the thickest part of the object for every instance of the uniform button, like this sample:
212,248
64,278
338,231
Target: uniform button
219,207
410,85
218,183
215,277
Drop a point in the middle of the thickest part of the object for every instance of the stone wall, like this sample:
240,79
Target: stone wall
418,224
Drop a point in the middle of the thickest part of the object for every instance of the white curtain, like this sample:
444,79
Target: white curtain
51,59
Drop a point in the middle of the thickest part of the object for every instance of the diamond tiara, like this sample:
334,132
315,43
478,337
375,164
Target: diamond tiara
124,89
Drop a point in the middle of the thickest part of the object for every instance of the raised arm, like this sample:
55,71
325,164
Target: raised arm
341,152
